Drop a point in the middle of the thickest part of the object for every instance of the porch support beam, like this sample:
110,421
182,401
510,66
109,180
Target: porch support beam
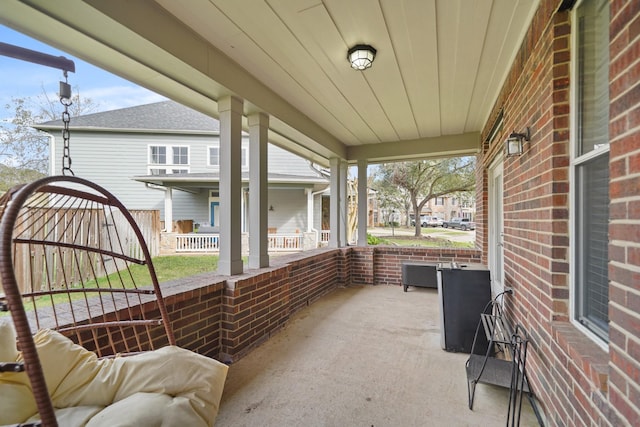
230,261
344,203
334,204
258,190
168,209
363,202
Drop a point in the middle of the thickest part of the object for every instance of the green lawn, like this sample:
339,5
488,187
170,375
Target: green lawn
167,268
175,267
424,242
432,237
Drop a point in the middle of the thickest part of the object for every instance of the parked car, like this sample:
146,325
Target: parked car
434,221
463,224
423,221
428,221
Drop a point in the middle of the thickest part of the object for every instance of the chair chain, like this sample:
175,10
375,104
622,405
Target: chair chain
65,99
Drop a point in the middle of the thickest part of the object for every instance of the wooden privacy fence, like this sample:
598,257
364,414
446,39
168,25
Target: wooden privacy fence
41,266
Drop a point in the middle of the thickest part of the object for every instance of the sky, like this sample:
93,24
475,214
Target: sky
21,79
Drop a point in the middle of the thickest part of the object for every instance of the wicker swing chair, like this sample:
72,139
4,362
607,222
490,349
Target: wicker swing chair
73,260
82,291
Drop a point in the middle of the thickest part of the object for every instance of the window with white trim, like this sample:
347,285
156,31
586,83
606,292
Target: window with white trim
213,157
590,166
167,159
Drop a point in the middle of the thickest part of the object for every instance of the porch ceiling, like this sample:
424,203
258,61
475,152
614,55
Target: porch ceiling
439,67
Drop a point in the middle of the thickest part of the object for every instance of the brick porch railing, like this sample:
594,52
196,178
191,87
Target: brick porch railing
225,317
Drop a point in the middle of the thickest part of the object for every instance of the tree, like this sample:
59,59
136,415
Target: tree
421,181
24,151
390,197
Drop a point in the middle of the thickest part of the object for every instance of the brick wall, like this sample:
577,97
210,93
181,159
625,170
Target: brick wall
624,228
194,306
256,305
195,311
577,382
387,260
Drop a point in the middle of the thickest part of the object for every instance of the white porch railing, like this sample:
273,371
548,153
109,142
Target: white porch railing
194,242
324,236
210,242
285,242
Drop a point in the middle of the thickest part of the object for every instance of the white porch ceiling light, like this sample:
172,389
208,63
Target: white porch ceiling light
361,56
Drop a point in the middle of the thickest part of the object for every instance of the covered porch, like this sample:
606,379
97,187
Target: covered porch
451,78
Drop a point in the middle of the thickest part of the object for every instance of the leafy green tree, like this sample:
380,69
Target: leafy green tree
390,197
421,181
24,151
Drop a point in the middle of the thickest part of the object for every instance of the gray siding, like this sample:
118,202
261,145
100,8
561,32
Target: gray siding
289,210
111,159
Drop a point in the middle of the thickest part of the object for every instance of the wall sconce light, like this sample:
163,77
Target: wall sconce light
271,208
514,145
361,56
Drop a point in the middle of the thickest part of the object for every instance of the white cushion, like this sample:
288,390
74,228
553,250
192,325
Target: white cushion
8,350
175,385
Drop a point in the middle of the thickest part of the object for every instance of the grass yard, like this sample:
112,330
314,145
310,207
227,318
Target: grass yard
175,266
431,237
167,268
424,242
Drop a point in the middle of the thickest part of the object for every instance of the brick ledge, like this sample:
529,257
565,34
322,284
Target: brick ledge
587,355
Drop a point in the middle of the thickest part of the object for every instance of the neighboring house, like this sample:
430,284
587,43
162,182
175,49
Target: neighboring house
165,156
451,206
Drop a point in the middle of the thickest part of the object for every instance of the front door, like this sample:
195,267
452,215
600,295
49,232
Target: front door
214,215
496,227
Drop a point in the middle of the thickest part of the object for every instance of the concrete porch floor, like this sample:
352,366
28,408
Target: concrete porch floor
360,356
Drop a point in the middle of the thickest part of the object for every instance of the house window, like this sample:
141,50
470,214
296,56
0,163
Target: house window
158,155
439,201
590,166
244,157
177,162
214,156
180,155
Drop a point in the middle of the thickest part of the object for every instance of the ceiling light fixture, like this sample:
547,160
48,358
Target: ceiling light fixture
361,56
514,145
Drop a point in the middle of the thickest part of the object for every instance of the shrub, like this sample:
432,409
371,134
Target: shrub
372,240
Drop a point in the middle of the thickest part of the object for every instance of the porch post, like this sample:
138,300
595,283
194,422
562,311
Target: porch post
334,204
258,190
309,193
344,204
230,261
168,210
363,202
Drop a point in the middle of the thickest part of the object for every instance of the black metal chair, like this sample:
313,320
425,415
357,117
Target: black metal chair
504,363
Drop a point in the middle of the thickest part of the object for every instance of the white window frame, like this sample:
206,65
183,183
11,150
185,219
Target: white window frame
150,154
209,147
244,156
169,166
576,161
173,154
